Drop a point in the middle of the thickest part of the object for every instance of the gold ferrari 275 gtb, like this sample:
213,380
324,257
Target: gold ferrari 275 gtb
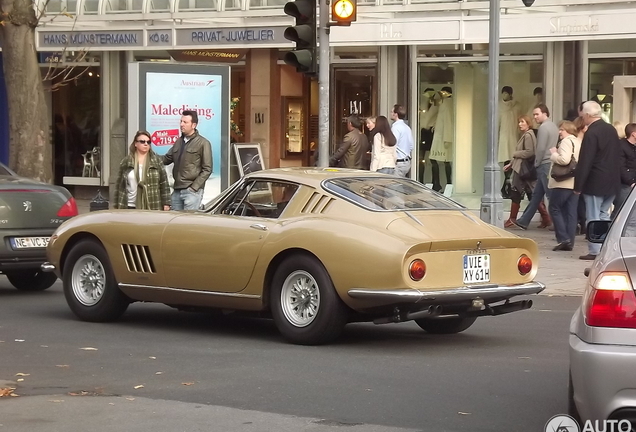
314,249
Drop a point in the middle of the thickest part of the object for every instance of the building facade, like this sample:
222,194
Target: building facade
429,55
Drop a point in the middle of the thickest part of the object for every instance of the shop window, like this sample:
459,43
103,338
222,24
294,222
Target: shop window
451,125
601,81
124,6
185,5
91,7
258,4
76,108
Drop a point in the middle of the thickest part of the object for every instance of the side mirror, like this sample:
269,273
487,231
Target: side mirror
597,230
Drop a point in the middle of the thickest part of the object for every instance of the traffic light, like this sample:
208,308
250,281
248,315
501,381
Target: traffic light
528,3
304,57
343,12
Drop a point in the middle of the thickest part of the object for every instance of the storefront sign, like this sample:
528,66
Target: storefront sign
122,39
231,36
225,56
573,24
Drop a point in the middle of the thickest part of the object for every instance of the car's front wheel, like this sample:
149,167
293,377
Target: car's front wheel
90,287
445,325
31,280
305,306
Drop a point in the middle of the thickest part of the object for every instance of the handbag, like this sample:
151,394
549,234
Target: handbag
527,171
564,172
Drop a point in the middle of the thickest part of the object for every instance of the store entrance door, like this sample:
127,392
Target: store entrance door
355,93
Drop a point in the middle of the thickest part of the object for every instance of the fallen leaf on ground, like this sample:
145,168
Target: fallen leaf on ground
158,373
89,349
110,403
56,400
6,391
188,383
44,346
139,386
19,340
22,374
463,413
82,393
130,398
14,395
62,366
20,379
524,358
152,358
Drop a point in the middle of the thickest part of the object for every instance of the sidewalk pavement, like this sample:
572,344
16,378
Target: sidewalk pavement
561,272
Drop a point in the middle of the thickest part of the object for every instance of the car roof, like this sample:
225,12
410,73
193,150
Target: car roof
311,176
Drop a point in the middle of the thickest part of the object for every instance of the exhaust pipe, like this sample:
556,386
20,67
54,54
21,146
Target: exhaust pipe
431,311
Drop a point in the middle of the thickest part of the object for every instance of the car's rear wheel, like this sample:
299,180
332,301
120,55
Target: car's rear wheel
90,287
445,325
31,280
305,306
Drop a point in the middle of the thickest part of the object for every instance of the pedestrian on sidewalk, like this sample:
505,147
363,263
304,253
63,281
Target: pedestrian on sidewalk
547,137
404,139
563,201
384,154
352,152
597,175
142,182
524,174
192,159
628,165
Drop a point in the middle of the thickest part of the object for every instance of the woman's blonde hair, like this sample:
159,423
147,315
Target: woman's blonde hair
526,119
132,147
620,128
569,127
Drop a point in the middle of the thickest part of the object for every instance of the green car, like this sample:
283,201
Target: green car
30,211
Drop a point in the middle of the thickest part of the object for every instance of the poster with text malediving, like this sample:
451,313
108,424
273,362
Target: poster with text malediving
167,96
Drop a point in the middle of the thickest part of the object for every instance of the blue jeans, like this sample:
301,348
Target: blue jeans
185,199
540,190
563,209
597,207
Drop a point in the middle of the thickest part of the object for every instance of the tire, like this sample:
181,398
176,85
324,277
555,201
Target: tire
445,325
31,280
322,315
98,299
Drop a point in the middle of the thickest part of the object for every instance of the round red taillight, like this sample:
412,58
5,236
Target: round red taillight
524,264
417,270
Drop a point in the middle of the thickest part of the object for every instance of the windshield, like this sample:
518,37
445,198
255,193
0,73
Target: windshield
390,193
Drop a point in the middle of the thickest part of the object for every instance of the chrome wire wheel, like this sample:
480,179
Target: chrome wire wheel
88,280
300,298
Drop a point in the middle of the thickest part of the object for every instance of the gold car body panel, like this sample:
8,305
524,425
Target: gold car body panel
222,261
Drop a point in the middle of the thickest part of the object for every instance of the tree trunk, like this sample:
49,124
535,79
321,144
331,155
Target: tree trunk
30,153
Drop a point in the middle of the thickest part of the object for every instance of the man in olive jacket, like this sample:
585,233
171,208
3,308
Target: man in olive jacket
353,150
192,159
597,174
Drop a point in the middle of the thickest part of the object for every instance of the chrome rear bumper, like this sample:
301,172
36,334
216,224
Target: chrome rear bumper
485,292
47,267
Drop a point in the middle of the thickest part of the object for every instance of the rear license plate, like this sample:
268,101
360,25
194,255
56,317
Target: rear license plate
29,242
476,269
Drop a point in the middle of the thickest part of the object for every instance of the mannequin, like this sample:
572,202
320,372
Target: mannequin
428,116
537,93
443,138
509,112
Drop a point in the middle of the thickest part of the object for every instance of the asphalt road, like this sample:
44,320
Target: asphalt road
506,373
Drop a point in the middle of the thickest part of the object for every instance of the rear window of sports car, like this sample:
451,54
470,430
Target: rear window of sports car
390,193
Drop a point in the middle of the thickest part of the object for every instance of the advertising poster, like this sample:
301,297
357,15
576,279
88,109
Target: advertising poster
165,91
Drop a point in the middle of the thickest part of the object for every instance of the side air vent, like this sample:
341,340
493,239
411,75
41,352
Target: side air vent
317,203
138,259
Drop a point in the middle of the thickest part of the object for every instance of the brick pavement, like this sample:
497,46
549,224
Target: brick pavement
562,272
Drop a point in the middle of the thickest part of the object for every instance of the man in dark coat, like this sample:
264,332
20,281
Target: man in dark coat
352,151
598,170
628,165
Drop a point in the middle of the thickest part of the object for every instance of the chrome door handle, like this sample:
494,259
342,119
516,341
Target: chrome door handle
259,227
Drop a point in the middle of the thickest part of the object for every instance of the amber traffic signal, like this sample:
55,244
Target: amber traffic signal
343,12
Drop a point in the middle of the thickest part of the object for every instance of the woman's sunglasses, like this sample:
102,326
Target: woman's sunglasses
143,141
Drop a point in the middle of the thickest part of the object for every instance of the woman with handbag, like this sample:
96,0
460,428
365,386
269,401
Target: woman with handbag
563,200
524,174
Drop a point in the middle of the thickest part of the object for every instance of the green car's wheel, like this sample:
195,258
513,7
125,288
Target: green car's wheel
90,287
445,325
31,280
305,306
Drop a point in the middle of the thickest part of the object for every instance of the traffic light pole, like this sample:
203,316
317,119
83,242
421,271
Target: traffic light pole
324,58
491,202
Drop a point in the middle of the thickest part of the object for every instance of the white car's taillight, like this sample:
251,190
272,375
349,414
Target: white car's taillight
611,302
